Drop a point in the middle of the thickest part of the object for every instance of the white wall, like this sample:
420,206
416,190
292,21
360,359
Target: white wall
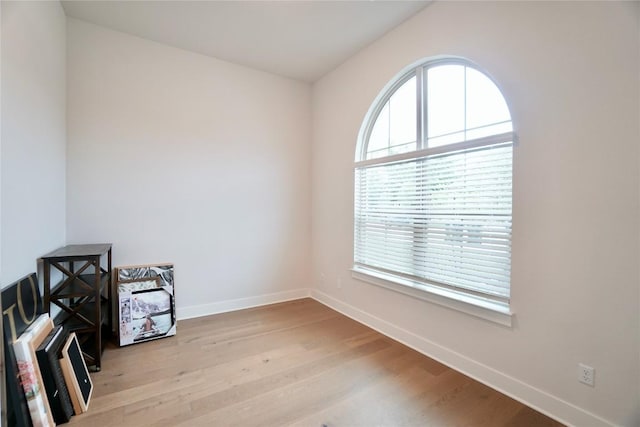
32,151
177,157
570,72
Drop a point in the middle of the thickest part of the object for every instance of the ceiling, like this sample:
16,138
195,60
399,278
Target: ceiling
298,39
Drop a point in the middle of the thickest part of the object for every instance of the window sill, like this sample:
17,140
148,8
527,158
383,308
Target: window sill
475,306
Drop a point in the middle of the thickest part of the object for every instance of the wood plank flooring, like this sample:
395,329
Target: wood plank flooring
296,363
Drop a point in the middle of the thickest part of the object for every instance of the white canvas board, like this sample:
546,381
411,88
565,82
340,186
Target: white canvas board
30,377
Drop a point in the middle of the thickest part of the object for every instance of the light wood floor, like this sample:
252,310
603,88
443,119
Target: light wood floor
296,363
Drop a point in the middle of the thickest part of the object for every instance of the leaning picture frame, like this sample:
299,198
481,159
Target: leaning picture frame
76,374
21,306
30,375
164,272
146,303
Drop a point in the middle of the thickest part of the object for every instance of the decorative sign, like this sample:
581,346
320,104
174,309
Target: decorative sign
21,306
76,374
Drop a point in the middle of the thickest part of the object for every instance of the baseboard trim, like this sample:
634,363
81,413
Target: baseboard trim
190,312
537,399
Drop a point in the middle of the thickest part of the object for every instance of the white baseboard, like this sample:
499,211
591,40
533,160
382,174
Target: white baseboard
541,401
239,304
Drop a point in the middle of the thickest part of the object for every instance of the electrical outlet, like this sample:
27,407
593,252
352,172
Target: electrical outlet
586,374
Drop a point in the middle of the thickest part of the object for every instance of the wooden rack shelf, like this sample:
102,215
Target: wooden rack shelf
84,295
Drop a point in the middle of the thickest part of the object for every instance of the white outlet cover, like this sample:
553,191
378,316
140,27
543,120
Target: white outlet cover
586,374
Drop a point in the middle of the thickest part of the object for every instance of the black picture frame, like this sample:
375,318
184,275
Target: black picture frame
21,306
76,374
145,315
52,376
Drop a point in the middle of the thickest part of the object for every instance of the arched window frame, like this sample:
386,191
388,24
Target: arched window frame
378,105
475,303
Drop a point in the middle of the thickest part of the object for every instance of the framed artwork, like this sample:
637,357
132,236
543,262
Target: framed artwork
30,376
164,272
21,306
146,308
54,383
76,375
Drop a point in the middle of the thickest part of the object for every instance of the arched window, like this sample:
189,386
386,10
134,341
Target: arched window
433,185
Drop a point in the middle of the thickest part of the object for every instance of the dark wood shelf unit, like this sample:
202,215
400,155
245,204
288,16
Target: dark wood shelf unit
79,286
81,318
84,294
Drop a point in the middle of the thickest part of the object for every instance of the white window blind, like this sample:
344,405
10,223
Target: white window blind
440,215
